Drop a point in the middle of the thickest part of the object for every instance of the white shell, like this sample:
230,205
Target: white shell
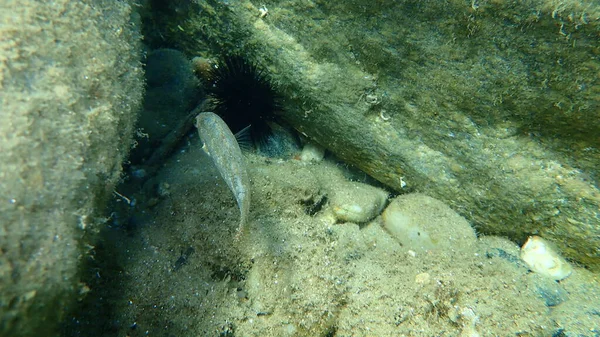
541,258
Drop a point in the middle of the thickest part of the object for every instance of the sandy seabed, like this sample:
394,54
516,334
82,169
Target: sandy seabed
297,271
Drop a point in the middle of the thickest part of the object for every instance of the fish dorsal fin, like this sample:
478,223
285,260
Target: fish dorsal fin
244,139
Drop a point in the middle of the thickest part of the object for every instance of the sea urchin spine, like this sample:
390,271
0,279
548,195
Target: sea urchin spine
243,95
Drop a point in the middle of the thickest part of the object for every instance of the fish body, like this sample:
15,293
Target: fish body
221,145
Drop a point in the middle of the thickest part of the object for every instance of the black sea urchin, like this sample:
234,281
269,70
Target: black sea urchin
243,95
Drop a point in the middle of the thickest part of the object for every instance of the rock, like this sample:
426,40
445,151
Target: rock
542,258
70,85
172,92
422,223
551,292
498,247
468,110
282,142
312,152
356,202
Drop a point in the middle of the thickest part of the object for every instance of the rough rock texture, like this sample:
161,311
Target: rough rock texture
70,83
490,106
422,223
172,91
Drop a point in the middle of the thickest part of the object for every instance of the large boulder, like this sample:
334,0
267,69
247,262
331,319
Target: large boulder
490,106
70,85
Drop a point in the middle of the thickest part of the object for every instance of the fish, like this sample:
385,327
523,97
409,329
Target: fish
222,147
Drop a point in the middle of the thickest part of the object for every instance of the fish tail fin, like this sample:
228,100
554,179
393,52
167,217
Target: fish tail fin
244,205
240,229
238,235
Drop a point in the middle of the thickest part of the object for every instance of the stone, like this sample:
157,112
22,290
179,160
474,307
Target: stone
356,202
422,223
71,82
542,258
312,152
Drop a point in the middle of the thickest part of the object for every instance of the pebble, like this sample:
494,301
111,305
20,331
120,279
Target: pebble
357,202
312,152
541,257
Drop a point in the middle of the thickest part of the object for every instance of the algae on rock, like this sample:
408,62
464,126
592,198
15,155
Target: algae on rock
489,106
70,84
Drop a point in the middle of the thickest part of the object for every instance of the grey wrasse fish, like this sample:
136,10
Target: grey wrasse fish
223,148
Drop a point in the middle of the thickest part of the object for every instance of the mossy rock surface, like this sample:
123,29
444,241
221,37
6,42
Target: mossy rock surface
70,84
490,106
